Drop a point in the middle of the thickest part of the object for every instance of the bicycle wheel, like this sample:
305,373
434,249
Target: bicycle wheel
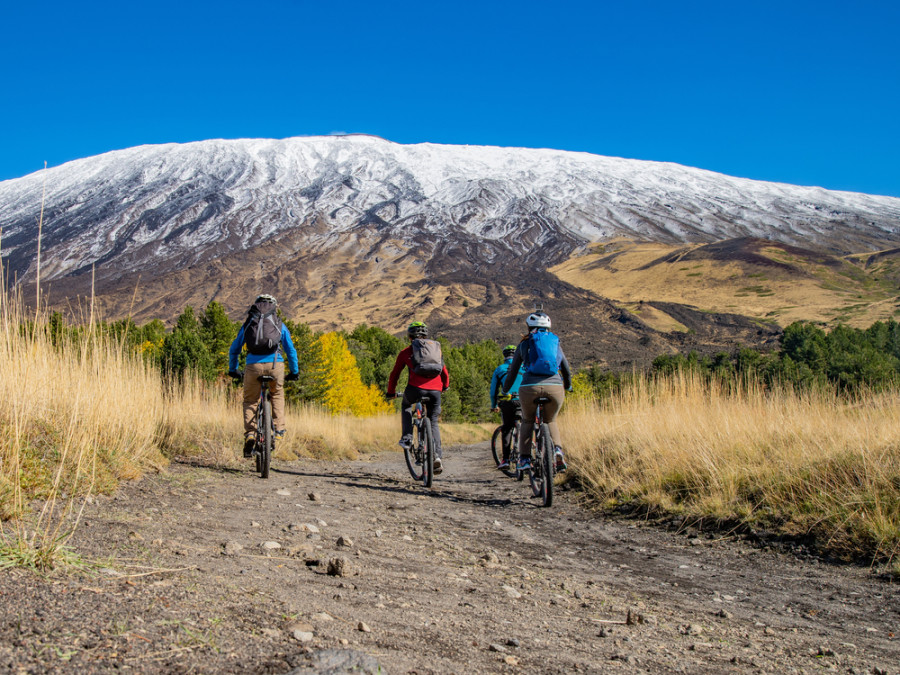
260,443
268,440
428,455
414,453
514,453
536,475
497,445
548,465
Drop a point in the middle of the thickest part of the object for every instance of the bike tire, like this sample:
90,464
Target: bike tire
514,454
258,446
268,440
428,455
415,470
535,476
497,445
548,466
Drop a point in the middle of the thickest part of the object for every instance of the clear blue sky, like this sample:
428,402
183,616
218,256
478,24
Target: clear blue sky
804,92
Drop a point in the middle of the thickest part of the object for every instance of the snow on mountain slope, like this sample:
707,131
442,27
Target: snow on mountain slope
165,207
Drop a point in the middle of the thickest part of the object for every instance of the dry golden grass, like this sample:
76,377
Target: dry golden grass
808,463
206,423
74,419
622,271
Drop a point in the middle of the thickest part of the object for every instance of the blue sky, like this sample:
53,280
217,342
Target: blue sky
798,92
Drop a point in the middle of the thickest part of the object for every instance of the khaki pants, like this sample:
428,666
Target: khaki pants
557,395
252,388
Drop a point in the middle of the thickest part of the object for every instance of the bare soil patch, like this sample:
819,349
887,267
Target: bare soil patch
219,571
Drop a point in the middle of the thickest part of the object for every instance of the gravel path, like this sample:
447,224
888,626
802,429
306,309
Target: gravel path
330,563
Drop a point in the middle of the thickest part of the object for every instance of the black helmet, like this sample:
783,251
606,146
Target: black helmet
417,329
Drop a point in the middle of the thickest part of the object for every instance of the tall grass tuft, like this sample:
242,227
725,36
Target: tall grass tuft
75,418
812,464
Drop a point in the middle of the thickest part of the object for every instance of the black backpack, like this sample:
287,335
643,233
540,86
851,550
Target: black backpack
262,329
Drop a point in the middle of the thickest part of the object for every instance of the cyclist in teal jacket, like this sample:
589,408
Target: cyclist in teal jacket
509,408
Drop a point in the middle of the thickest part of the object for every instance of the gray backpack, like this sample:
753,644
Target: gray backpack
427,359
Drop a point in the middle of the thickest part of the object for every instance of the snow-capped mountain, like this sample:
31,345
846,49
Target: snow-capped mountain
171,206
350,228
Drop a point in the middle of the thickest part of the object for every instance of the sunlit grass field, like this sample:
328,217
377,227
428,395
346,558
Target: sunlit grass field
808,464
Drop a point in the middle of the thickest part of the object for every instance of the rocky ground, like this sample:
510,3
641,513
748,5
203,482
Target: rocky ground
329,566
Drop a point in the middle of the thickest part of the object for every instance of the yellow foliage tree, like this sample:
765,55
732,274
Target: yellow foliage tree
340,378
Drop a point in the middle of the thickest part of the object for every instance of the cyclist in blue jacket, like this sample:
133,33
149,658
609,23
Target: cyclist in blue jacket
541,379
508,407
266,361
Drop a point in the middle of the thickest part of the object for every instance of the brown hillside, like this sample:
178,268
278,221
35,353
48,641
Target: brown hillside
757,278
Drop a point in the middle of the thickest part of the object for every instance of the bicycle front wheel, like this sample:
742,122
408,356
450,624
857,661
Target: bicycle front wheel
514,454
268,440
497,445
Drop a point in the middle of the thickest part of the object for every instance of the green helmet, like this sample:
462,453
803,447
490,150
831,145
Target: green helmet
417,329
509,350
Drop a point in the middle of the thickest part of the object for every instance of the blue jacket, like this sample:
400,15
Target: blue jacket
275,357
497,381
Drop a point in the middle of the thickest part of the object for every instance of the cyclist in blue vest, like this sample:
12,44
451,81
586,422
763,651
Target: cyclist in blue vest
546,374
508,407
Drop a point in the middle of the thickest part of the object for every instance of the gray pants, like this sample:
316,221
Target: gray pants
527,395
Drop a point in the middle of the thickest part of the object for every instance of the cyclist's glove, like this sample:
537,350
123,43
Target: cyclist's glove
292,377
236,374
504,397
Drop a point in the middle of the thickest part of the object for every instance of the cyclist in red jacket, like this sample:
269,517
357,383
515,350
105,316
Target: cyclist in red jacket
425,388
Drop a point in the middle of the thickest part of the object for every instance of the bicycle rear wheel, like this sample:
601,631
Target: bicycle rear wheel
428,455
414,454
268,440
536,475
497,445
548,465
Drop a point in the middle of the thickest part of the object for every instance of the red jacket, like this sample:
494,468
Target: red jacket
404,360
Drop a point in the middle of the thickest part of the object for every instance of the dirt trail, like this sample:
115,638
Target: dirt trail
470,577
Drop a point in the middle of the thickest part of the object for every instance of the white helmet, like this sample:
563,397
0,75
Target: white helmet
265,297
538,320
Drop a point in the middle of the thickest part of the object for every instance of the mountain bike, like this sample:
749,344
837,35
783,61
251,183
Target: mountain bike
420,454
543,463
